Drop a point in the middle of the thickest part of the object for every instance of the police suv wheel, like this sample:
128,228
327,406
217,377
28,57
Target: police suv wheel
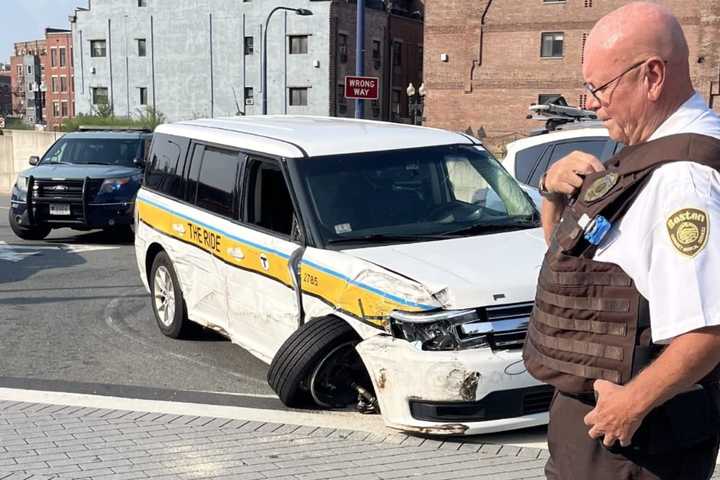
37,232
167,298
318,366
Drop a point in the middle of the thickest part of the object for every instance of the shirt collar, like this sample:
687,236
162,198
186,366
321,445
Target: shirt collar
682,118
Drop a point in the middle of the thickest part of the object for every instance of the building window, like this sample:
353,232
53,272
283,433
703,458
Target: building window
342,48
298,44
63,56
249,96
397,54
249,41
141,47
19,70
552,44
97,48
29,69
143,95
341,100
54,84
53,57
298,96
588,3
420,61
100,96
64,108
63,84
377,54
582,47
142,3
395,106
56,109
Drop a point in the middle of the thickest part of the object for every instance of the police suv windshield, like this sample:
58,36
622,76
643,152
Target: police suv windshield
96,151
413,195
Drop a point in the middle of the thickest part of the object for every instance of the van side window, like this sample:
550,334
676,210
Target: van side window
217,181
194,173
526,160
165,170
268,202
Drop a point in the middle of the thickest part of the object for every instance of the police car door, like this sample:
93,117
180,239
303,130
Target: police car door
262,305
212,188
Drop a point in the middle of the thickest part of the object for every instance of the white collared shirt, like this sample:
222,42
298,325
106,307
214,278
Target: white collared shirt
680,289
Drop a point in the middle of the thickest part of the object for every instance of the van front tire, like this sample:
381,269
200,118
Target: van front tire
294,371
167,298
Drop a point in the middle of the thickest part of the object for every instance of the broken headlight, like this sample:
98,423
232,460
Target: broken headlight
441,330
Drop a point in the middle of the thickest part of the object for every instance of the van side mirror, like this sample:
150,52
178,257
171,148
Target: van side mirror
34,160
139,162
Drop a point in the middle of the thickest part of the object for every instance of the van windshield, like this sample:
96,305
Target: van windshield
417,194
96,151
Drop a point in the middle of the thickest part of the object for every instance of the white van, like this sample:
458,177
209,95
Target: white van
368,263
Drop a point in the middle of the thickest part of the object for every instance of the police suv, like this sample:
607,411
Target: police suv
380,265
86,180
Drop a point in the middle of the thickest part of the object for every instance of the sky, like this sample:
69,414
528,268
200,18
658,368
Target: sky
22,20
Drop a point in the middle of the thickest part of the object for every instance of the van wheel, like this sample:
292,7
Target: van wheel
167,297
318,364
37,232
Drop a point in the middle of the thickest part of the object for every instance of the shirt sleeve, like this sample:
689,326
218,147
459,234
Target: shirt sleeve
683,253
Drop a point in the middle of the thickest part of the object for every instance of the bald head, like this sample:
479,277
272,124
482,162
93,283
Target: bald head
639,56
637,30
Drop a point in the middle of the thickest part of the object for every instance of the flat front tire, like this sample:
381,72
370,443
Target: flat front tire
37,232
318,366
167,298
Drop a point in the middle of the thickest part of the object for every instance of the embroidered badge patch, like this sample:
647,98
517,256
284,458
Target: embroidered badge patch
688,229
600,187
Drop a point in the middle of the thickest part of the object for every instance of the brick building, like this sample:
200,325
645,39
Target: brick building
58,78
486,61
26,69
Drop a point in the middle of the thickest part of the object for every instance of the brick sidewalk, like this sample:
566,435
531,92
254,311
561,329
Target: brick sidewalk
41,441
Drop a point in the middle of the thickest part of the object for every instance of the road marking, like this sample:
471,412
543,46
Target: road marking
17,253
5,208
337,420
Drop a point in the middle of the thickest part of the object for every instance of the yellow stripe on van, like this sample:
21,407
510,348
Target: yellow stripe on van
363,303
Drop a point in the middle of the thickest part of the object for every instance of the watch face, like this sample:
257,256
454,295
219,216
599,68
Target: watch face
600,187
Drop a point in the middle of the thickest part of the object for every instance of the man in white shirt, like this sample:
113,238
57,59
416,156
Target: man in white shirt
637,75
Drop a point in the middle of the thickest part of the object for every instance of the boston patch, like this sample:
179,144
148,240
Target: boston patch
600,187
688,229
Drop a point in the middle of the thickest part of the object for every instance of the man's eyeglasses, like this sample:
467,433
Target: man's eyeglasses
593,90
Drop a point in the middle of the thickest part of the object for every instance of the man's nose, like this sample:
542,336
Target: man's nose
592,103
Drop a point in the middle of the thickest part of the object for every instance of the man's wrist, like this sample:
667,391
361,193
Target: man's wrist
545,193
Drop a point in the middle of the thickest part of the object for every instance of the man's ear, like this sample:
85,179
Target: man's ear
655,71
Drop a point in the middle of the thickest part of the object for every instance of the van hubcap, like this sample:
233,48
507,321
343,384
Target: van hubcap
164,296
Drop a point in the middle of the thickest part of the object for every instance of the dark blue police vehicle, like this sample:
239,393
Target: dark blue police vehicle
86,180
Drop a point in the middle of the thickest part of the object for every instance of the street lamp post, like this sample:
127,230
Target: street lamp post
299,11
416,100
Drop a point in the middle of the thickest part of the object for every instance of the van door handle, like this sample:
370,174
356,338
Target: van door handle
179,228
236,253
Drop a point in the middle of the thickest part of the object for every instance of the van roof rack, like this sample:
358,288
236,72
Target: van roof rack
558,115
111,128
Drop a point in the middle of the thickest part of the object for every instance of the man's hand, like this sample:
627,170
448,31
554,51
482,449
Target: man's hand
566,175
615,416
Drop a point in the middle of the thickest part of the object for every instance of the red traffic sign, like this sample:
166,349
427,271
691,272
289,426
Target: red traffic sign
364,88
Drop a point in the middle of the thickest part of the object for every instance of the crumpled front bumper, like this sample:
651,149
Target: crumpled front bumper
455,392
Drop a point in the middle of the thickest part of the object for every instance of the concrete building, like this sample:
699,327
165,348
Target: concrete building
59,78
487,61
202,58
26,69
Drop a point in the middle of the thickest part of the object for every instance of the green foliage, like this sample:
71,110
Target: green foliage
16,124
102,115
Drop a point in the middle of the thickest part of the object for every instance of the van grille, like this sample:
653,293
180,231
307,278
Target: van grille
515,318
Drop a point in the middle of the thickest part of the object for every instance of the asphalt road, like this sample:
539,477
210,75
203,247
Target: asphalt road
74,316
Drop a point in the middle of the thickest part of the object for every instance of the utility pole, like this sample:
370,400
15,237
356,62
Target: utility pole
360,53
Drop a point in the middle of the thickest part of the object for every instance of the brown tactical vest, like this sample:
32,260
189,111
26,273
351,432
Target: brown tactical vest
589,321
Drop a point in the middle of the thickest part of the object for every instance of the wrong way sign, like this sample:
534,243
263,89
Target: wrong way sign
364,88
